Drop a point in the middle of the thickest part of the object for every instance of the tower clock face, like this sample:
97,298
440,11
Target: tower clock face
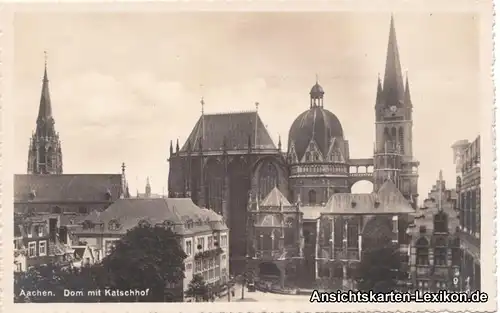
393,109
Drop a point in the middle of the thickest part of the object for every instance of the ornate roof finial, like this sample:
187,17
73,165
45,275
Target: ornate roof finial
279,142
257,106
202,101
317,80
45,56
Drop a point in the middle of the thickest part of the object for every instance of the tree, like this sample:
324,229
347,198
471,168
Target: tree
380,269
198,289
55,279
147,257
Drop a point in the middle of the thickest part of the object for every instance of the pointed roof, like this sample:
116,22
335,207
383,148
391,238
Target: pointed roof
407,93
393,79
233,128
275,198
388,200
45,120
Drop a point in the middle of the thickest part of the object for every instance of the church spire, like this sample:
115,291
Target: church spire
45,120
379,100
407,101
393,78
45,156
148,188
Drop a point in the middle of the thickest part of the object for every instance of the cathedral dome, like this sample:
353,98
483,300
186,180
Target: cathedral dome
316,123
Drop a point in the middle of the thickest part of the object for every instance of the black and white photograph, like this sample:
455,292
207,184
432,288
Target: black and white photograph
288,157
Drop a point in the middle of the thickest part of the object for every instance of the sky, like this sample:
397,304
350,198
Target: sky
124,84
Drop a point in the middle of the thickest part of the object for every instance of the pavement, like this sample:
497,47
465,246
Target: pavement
259,296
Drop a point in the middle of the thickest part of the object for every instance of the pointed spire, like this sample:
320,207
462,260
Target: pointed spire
279,142
45,121
379,100
393,79
171,148
407,93
177,146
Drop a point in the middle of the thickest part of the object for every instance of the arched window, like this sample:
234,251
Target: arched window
312,196
290,229
268,178
401,139
441,222
394,133
422,246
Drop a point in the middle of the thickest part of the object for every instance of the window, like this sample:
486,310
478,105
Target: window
108,246
205,264
223,260
189,266
57,210
42,248
312,197
31,249
113,225
223,240
210,242
201,243
440,251
189,247
441,223
19,267
197,267
422,246
40,230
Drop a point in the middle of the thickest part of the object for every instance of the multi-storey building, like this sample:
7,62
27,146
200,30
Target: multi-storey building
435,246
202,233
36,242
468,164
293,244
231,155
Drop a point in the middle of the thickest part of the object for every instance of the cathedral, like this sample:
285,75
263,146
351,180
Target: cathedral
274,199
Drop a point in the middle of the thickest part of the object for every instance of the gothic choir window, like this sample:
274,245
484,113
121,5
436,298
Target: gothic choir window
312,197
440,251
268,176
290,231
422,246
441,222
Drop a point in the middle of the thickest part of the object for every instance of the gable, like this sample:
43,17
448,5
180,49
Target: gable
313,153
275,198
292,154
335,153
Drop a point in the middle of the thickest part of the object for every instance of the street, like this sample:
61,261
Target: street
259,296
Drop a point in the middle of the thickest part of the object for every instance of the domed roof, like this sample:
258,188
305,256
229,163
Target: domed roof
316,123
317,91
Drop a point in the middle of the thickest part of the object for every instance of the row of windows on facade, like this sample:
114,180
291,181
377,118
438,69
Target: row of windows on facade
470,210
319,169
425,285
39,230
200,244
440,256
32,248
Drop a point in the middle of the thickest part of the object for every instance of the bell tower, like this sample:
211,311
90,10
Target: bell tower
44,155
393,153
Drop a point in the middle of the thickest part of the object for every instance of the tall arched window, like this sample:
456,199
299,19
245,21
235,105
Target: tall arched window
312,196
401,139
422,246
268,178
290,229
441,222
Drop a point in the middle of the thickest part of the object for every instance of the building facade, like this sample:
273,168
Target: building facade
435,245
202,233
228,157
468,162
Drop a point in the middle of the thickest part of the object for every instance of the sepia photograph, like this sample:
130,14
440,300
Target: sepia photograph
305,159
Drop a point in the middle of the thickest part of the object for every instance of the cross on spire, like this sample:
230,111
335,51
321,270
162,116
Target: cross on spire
202,101
45,57
257,106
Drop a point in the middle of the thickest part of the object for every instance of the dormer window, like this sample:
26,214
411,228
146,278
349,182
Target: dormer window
353,204
144,223
114,225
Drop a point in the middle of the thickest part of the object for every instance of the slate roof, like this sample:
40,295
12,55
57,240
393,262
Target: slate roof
67,187
316,123
390,199
129,212
275,198
235,127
